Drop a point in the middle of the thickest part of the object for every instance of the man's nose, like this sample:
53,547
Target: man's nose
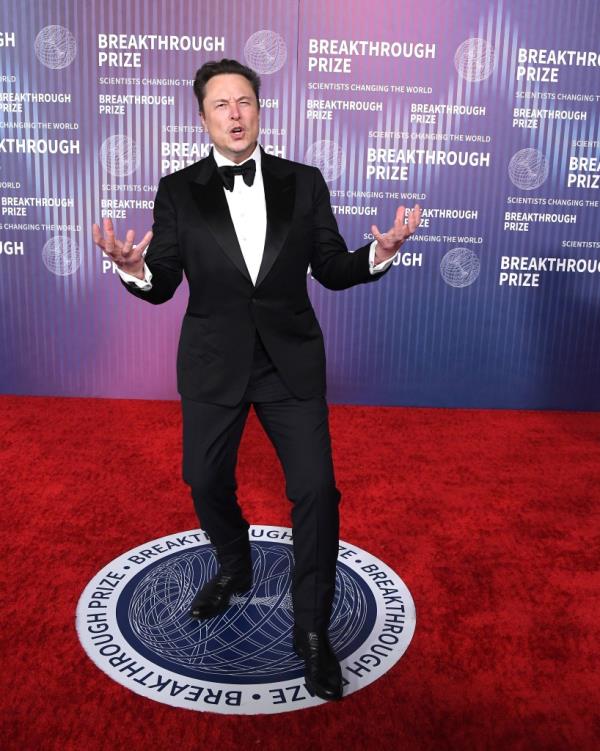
234,110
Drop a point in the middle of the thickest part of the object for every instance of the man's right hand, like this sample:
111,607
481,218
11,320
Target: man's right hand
127,257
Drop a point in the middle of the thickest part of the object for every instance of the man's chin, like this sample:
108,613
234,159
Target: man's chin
237,149
245,147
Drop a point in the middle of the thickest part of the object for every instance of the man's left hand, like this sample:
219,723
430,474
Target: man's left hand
389,242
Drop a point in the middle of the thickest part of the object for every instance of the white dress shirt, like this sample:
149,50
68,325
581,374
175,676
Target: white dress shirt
249,216
248,212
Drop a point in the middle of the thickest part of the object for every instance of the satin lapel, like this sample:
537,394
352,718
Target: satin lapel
280,193
207,190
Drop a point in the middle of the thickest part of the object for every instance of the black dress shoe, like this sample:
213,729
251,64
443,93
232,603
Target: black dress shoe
321,668
213,598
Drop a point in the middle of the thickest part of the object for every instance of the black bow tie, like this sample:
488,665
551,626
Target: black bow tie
247,170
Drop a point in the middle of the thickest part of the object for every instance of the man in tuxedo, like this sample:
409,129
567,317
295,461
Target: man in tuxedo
244,227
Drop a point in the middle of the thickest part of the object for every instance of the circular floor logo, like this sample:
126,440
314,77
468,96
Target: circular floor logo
132,620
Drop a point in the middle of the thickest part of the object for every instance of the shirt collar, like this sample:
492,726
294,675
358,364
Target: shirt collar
222,161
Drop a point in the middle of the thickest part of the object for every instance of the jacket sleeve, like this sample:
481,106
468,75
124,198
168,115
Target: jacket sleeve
331,263
162,257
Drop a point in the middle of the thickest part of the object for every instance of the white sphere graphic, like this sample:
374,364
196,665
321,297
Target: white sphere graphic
460,267
328,157
120,155
475,59
528,169
61,255
55,47
265,51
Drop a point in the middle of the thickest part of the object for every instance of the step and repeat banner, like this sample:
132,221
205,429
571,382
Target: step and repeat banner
484,112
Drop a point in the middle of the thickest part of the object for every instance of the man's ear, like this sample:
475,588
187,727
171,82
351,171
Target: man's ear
202,119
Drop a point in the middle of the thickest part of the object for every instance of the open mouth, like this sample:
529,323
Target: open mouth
236,131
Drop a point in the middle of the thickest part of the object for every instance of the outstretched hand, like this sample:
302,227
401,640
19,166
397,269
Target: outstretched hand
125,255
389,242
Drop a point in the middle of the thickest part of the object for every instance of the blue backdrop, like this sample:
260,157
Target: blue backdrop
484,112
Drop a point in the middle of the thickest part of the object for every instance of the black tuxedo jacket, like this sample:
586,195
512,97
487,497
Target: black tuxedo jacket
194,233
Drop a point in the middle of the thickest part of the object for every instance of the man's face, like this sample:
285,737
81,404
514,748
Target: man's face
231,115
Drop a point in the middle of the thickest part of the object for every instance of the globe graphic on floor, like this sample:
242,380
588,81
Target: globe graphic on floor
251,641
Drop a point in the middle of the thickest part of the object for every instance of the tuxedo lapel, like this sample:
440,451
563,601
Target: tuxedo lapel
280,193
207,190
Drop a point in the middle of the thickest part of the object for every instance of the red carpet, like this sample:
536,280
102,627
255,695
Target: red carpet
491,518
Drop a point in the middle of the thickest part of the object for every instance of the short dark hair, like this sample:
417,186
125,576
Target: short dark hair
218,67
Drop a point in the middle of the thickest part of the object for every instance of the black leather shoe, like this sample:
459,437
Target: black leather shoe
321,668
213,598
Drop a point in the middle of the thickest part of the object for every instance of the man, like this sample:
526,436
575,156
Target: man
244,226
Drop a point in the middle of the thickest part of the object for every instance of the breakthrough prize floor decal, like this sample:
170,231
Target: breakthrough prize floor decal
133,622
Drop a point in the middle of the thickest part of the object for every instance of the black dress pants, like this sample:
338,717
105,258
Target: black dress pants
299,431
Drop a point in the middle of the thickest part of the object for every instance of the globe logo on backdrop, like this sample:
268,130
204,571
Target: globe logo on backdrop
61,255
119,155
328,157
55,47
460,267
133,622
265,51
528,169
475,59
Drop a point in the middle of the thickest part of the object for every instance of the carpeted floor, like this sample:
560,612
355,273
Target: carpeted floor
490,517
